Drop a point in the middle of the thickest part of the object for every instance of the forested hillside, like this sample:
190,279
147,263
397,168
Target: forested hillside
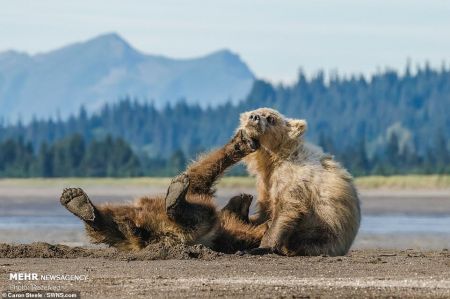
387,124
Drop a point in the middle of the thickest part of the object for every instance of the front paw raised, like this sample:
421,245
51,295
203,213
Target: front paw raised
244,144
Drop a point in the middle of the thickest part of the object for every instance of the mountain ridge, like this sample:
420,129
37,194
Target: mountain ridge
105,68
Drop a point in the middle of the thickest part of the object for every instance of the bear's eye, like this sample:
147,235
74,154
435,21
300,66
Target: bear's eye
271,120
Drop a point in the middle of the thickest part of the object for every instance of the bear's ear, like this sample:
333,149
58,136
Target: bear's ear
297,127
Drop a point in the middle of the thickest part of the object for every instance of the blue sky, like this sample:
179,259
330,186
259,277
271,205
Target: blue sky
275,37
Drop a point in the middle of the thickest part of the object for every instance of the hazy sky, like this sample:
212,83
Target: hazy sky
274,37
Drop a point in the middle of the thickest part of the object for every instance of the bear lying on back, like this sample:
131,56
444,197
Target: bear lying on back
187,214
308,199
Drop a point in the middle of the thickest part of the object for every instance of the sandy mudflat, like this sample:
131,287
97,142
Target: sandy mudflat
199,272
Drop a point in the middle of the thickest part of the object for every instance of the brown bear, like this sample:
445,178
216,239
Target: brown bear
308,199
186,215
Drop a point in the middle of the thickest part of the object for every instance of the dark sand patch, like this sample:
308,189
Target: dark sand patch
157,251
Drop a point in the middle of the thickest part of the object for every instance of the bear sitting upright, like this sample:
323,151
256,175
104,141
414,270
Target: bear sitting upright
308,199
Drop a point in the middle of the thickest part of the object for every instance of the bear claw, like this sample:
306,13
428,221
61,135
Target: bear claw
252,143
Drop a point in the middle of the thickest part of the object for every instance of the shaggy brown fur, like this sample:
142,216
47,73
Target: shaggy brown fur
186,215
309,198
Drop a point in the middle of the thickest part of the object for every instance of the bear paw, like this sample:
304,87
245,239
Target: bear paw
176,192
244,144
78,203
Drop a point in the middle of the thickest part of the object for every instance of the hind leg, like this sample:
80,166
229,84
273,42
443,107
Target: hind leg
296,234
239,206
112,225
238,234
79,204
276,236
274,240
176,195
189,199
194,213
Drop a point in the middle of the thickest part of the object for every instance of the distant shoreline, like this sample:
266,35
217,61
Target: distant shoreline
410,182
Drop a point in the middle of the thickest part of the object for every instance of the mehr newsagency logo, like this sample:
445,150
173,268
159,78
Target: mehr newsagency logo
46,277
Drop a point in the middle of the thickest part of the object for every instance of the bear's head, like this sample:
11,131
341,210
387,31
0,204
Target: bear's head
271,128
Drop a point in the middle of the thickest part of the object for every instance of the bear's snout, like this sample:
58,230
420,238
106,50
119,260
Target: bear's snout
253,124
254,118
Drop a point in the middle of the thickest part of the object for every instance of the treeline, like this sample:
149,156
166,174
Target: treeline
74,157
388,123
71,156
113,157
391,159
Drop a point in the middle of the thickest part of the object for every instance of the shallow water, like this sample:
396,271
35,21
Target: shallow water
39,222
411,224
391,218
376,231
370,224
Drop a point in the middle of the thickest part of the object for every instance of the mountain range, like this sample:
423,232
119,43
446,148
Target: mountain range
105,69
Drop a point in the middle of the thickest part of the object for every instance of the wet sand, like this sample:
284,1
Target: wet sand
198,272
